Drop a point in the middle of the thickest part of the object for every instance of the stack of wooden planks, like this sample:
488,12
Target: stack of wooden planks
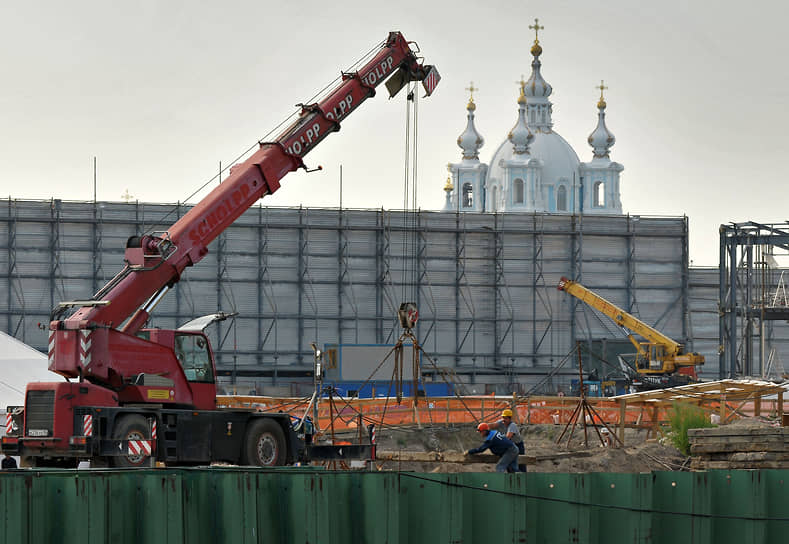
738,447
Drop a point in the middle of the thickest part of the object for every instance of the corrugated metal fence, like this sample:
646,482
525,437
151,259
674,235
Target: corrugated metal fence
314,506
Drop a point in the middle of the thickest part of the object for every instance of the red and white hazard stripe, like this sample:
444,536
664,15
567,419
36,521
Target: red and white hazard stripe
51,352
84,347
431,80
87,425
9,423
153,428
139,447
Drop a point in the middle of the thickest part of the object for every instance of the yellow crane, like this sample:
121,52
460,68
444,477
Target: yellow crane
659,355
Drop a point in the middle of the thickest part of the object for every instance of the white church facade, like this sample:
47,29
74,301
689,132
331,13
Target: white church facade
535,169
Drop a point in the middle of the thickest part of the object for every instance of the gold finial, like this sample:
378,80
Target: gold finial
536,28
449,186
471,88
127,197
601,103
522,86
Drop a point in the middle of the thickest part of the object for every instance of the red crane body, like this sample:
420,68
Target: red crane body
156,262
129,375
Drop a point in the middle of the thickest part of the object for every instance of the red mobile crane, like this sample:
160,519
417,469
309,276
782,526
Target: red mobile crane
138,393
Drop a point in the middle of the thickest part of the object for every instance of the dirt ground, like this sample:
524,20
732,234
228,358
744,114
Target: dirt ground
640,454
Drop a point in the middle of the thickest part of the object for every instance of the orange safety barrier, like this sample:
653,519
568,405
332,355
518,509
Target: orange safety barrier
344,413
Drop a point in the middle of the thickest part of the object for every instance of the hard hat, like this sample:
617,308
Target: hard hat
483,427
506,413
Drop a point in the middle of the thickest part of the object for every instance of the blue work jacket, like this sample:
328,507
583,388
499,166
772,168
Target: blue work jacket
497,442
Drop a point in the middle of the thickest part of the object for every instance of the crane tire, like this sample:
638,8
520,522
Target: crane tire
131,427
265,444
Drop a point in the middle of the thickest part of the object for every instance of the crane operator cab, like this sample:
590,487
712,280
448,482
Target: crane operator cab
651,358
191,350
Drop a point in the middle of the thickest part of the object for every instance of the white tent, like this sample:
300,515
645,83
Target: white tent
19,365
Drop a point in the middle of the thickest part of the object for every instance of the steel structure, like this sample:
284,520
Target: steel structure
753,303
484,283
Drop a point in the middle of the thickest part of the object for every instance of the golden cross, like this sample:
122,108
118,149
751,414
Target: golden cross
602,87
471,88
521,83
536,27
127,197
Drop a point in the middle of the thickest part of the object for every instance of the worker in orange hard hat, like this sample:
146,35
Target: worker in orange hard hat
499,445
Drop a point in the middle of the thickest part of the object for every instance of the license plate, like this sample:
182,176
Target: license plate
38,432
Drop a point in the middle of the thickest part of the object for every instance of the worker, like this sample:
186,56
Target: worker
8,462
499,445
509,429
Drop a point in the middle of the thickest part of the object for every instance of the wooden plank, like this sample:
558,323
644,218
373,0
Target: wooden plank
457,457
729,447
727,430
729,465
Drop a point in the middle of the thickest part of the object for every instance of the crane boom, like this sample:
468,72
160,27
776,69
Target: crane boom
618,315
155,262
658,355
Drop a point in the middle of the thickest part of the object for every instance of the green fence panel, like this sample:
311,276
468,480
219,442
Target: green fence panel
776,483
67,505
494,507
364,507
219,506
621,508
738,503
302,505
429,508
558,508
141,505
672,502
14,502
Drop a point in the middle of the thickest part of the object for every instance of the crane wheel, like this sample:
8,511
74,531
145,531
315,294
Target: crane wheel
265,444
131,427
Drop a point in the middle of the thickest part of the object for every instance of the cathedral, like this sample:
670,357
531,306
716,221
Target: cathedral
535,169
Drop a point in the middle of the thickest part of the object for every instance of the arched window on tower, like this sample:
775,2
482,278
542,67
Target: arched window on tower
561,199
599,194
468,195
494,200
517,191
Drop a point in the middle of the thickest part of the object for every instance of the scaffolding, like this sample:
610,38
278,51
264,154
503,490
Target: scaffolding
752,296
485,283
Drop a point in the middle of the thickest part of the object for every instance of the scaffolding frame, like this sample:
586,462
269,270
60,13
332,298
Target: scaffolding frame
485,283
747,307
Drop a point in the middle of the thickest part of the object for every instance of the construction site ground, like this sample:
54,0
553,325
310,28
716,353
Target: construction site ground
643,452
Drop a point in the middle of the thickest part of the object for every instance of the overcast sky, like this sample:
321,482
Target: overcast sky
162,92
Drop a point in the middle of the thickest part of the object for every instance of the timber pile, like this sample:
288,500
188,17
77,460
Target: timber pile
458,457
733,447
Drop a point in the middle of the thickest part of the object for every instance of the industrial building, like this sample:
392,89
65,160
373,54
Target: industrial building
484,283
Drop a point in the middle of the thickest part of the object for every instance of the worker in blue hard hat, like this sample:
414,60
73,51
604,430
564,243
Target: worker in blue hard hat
499,445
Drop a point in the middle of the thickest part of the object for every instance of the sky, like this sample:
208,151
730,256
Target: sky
163,92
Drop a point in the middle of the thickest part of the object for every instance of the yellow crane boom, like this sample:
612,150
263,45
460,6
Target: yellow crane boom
658,355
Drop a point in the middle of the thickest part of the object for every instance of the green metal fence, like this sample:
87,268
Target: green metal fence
302,505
